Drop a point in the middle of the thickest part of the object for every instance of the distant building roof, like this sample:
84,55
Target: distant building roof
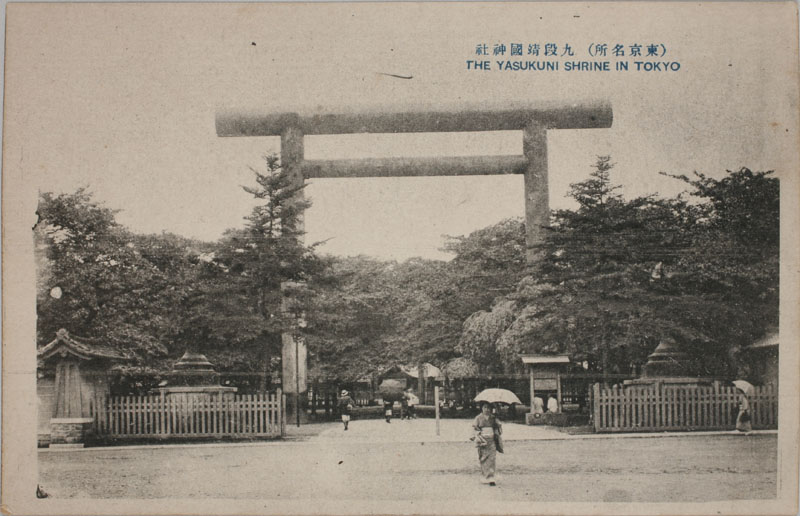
767,341
545,359
64,345
429,371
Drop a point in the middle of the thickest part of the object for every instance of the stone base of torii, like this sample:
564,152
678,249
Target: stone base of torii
534,120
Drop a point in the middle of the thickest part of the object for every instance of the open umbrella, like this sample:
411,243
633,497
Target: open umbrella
497,396
745,386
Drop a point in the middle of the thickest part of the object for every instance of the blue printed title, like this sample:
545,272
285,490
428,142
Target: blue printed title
554,57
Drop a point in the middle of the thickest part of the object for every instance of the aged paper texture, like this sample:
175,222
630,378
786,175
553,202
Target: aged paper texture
134,126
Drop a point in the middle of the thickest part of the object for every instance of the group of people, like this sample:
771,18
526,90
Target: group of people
408,402
408,406
538,405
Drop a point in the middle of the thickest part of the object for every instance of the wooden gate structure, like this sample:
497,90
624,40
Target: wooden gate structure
198,415
661,407
534,120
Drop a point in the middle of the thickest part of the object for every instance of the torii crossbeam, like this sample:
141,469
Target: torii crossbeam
534,120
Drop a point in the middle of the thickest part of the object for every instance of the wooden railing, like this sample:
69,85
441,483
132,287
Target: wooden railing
196,415
670,407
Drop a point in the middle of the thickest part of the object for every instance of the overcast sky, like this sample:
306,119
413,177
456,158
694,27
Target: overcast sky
123,98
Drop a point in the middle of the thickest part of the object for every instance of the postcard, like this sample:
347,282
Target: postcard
400,258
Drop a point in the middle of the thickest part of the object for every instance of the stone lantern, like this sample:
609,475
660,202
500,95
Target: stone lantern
668,364
193,375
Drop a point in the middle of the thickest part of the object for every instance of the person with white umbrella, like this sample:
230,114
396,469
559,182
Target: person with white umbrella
743,419
488,431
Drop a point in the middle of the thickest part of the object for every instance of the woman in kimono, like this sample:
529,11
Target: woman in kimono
486,427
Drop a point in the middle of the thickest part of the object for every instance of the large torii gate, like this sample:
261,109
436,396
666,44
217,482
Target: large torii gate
533,120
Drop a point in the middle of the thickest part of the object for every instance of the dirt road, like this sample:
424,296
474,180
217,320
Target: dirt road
694,467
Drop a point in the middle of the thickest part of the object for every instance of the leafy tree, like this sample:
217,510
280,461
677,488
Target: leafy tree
486,264
101,282
735,246
427,308
378,314
733,261
351,320
481,332
744,205
618,276
72,236
156,296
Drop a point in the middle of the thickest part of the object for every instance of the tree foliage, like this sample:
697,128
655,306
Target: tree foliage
617,276
155,296
103,283
350,320
253,285
614,278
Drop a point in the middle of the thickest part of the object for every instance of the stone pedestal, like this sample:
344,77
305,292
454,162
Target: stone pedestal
669,380
186,392
536,418
70,431
294,378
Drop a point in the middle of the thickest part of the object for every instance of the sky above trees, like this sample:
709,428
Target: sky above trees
140,131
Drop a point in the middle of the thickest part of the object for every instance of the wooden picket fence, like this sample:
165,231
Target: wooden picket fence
671,407
198,415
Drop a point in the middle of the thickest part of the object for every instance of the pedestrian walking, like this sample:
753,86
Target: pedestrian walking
404,406
387,410
488,441
411,402
345,405
744,419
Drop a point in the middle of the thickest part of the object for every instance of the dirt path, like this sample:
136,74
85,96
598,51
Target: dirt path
694,467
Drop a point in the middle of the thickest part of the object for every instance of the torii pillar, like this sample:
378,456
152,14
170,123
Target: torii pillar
534,120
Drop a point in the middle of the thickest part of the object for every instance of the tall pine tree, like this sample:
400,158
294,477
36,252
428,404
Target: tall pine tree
268,254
